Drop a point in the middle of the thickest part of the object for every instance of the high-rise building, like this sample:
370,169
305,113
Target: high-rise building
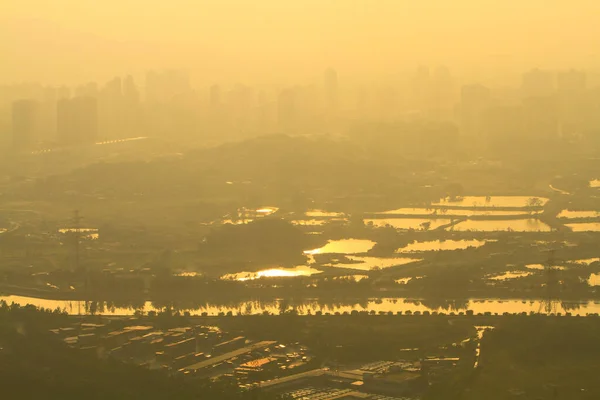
25,123
214,97
308,116
474,101
504,125
537,83
162,86
111,110
474,95
574,104
88,90
77,120
63,92
331,90
571,82
442,92
114,88
130,91
132,110
241,101
541,118
286,109
421,89
362,99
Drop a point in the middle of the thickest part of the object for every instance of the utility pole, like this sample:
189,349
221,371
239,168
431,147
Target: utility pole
76,230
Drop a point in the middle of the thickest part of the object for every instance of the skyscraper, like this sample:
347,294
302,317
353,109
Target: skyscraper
25,123
77,120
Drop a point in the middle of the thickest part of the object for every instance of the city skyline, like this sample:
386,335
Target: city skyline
558,102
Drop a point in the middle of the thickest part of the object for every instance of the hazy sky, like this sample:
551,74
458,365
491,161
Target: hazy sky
271,40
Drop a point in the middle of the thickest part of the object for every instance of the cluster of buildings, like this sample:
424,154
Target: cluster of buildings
194,351
46,117
543,105
383,380
289,369
37,116
547,105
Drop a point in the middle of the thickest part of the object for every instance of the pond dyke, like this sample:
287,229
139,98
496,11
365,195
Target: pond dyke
316,306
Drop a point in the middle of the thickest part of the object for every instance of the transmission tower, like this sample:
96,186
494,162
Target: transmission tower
550,303
76,232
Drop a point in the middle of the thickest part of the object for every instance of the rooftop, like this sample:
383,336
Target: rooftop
258,363
227,356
